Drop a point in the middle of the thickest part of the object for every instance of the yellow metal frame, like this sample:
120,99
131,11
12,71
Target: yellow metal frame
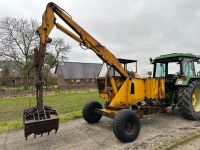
129,90
81,36
149,88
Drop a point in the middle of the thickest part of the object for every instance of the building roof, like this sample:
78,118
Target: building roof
175,57
78,70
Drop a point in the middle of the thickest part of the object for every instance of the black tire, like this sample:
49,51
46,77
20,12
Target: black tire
89,114
185,101
126,126
179,96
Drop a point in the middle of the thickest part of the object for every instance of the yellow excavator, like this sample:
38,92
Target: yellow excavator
121,89
127,96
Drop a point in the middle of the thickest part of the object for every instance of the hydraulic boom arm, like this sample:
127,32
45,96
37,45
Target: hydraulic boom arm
82,37
42,119
128,97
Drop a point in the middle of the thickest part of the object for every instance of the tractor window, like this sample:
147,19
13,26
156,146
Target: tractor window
174,68
160,70
197,68
188,67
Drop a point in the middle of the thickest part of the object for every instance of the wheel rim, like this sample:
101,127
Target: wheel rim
196,100
129,127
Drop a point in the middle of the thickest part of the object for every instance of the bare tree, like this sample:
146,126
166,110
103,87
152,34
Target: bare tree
56,50
6,76
17,41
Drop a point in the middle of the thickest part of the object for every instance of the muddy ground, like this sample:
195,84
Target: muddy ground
159,131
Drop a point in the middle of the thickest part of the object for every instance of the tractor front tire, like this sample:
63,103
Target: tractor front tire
126,125
89,114
189,101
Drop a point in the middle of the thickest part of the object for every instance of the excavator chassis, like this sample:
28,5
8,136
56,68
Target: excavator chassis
40,122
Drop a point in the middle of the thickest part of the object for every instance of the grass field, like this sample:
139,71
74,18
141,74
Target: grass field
68,105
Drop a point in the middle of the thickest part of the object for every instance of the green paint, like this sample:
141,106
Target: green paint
174,55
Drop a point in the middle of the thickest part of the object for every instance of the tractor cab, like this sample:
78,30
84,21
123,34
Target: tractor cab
108,72
176,68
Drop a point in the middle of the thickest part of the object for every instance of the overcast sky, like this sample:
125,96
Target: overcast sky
133,29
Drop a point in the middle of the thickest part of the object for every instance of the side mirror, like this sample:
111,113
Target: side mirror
151,60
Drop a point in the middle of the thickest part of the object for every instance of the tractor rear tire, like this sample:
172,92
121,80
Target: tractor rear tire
179,96
126,126
186,100
89,114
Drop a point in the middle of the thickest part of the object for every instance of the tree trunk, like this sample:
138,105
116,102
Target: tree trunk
26,81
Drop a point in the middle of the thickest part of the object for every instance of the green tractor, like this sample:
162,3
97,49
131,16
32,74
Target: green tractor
182,81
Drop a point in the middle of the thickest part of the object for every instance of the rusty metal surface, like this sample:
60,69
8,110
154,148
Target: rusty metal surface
40,119
39,122
38,64
155,88
104,113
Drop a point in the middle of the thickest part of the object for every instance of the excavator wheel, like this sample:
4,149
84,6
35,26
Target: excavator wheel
126,126
89,112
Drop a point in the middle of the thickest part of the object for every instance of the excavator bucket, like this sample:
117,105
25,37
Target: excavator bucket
40,122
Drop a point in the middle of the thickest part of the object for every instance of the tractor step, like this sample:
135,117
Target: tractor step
40,122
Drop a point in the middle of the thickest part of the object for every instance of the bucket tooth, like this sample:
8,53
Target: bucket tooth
40,122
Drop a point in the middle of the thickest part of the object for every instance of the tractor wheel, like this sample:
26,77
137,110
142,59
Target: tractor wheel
190,101
179,96
89,112
126,126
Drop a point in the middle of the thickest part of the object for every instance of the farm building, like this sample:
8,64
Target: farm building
76,75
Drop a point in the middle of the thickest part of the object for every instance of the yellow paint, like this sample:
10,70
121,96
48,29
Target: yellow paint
110,110
112,81
78,34
121,99
195,100
139,90
124,98
121,95
150,88
103,95
155,88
